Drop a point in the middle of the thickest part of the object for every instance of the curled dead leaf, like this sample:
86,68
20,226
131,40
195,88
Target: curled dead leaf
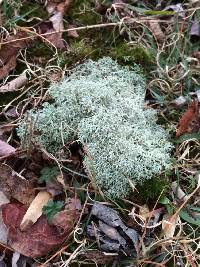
190,120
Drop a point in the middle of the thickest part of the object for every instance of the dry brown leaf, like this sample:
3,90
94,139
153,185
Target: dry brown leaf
144,212
56,38
10,50
7,67
13,185
54,6
39,239
56,9
6,149
190,120
35,210
15,84
156,30
62,219
169,223
72,33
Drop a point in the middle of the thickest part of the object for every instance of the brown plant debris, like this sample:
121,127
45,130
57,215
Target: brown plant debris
39,239
15,186
15,84
5,148
10,50
190,120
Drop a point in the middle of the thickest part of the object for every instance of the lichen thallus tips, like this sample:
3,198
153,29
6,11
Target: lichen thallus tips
102,105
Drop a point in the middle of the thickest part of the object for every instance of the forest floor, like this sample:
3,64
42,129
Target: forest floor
51,214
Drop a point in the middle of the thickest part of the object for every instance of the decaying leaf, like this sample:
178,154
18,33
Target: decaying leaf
10,50
108,228
15,84
112,233
54,6
33,243
156,30
144,212
169,223
56,9
63,219
190,120
54,187
35,210
7,67
106,244
40,238
6,149
56,38
106,214
15,186
72,33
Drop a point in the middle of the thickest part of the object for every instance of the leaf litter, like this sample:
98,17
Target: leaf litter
111,225
35,226
39,239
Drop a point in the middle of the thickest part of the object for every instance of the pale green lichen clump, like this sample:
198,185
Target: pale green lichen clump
102,105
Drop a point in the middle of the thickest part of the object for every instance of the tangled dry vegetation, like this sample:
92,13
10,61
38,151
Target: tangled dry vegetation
89,175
